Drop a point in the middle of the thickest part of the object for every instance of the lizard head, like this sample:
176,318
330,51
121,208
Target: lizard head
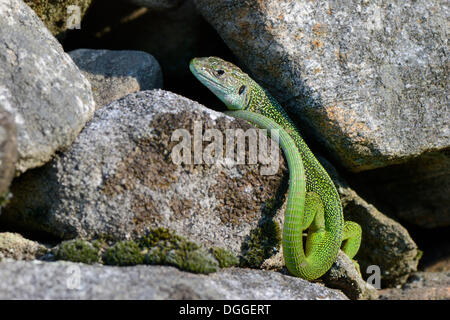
229,83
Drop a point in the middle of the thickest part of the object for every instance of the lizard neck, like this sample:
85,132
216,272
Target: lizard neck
265,104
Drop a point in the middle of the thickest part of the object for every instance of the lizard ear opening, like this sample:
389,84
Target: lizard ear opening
242,89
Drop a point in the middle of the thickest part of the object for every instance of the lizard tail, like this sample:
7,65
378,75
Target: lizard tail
318,260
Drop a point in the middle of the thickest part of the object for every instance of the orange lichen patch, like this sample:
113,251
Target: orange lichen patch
319,29
342,129
317,70
335,128
347,120
299,35
317,43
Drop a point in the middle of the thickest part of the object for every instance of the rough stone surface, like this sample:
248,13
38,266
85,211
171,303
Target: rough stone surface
40,85
118,180
440,265
157,4
344,276
366,79
57,280
173,37
58,16
14,246
8,150
421,286
385,242
416,192
114,74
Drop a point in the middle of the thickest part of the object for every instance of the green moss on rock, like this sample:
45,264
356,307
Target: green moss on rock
419,254
155,256
56,14
164,238
124,253
196,261
100,244
200,261
225,258
4,198
263,242
174,258
165,247
158,246
77,251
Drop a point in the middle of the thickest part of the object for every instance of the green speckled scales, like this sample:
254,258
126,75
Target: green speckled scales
331,237
313,201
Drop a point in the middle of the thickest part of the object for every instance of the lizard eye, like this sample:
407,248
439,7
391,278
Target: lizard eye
242,89
220,72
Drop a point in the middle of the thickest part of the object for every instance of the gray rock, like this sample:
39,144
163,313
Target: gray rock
421,286
59,16
64,280
14,246
114,74
385,242
415,192
8,151
440,264
118,180
366,79
173,37
157,4
344,276
40,85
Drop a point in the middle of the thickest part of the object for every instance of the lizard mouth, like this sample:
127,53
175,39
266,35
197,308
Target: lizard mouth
202,75
210,82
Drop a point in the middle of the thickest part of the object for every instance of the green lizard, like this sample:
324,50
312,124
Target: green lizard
313,202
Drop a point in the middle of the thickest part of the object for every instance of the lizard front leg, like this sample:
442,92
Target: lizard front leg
314,221
351,240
